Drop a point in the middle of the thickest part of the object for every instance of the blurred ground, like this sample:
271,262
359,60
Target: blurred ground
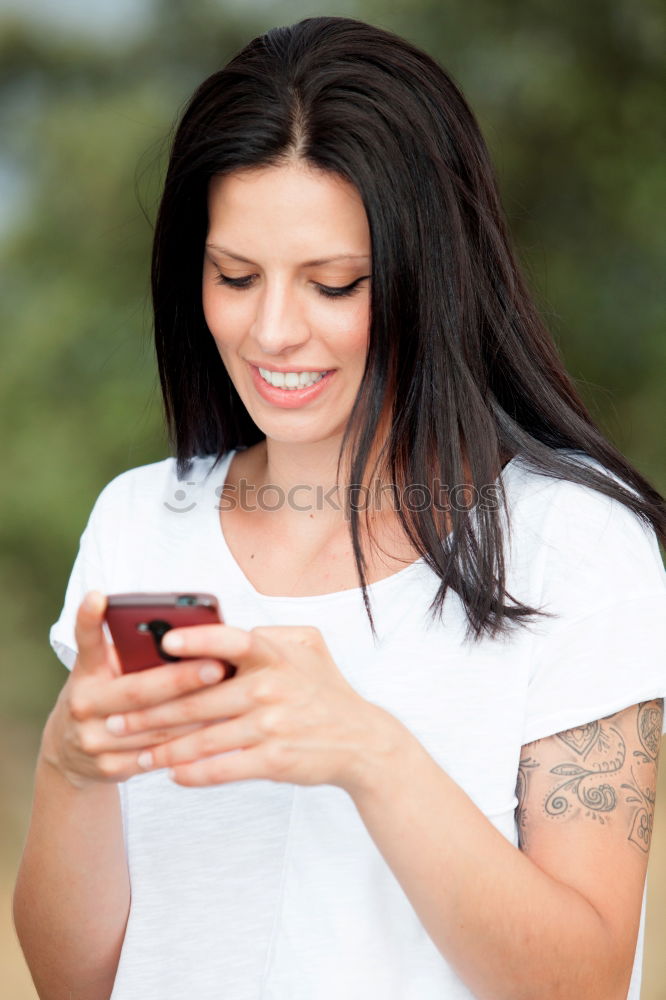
18,749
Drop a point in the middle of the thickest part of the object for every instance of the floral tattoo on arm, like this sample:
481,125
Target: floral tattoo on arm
600,766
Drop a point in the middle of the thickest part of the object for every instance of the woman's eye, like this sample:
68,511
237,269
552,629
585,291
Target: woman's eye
336,293
234,282
328,291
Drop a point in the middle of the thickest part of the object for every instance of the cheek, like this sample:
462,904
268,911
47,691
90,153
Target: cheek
222,318
349,330
357,336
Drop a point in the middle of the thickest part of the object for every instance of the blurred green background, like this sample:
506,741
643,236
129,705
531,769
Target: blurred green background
569,99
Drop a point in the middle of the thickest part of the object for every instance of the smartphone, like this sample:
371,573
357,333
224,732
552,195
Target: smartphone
137,623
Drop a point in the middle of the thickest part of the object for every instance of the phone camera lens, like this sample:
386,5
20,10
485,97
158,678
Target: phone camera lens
159,628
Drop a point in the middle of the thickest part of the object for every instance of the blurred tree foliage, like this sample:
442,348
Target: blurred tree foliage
568,97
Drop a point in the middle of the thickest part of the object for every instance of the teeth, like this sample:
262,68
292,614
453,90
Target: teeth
291,380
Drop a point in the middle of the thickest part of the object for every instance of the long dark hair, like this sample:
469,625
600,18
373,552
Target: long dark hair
473,373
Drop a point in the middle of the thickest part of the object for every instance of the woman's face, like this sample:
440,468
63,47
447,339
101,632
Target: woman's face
280,241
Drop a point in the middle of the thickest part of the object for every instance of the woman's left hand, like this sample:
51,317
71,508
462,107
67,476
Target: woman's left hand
288,711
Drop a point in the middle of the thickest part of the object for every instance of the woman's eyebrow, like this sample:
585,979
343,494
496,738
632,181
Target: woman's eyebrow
307,263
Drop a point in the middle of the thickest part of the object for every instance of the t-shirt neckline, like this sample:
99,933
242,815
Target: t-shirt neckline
218,541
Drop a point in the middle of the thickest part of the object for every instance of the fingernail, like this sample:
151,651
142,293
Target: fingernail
210,673
115,724
145,759
172,642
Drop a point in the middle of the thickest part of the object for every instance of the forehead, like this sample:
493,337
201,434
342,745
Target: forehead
291,209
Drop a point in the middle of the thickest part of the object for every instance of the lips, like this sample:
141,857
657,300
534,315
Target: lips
289,398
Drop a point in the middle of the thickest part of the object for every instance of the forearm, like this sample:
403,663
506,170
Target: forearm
509,930
71,898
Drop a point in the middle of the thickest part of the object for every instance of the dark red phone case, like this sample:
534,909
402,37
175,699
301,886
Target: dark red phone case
138,621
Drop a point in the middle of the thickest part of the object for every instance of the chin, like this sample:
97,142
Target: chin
306,435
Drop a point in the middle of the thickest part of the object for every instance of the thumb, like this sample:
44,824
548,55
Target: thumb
96,654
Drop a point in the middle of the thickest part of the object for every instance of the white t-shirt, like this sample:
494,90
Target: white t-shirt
259,890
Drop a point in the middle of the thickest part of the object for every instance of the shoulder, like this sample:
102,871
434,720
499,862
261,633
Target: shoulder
575,551
598,573
153,477
571,521
527,486
133,491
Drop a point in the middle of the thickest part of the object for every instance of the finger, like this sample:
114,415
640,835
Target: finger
94,651
234,697
98,740
143,689
221,737
241,766
245,649
114,766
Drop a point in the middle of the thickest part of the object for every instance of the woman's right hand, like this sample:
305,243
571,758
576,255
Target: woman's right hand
76,740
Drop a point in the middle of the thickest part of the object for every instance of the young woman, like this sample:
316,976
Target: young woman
433,773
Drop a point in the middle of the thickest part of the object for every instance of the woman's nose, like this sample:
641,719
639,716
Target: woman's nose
279,323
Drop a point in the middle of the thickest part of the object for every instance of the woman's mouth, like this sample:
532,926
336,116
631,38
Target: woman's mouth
290,389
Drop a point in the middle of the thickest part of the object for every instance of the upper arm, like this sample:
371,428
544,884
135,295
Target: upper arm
585,810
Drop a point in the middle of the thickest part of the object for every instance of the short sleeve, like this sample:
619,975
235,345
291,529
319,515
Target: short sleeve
86,574
604,578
